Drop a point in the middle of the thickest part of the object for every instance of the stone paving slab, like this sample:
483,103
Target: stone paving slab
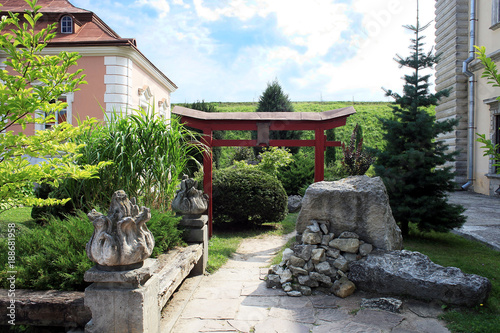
382,319
211,309
276,325
235,299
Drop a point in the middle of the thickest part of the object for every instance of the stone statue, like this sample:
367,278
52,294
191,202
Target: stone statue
121,239
189,200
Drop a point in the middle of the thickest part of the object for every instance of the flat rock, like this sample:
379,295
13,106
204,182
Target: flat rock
296,261
350,245
310,237
358,204
343,288
304,251
414,274
383,303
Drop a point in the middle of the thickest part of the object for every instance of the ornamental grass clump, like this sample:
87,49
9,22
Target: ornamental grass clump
149,155
356,161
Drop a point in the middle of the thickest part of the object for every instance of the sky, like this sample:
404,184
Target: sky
229,50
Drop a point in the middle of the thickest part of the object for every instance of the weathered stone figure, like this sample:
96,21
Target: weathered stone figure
121,238
189,200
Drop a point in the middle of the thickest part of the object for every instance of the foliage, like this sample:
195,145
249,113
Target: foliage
164,227
28,88
271,160
247,196
51,257
298,174
448,249
491,73
356,161
412,163
54,257
330,152
273,99
149,158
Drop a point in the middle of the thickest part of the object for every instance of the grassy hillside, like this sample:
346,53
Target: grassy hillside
367,114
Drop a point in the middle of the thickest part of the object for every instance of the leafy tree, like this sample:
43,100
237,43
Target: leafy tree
412,164
491,73
31,84
273,99
271,160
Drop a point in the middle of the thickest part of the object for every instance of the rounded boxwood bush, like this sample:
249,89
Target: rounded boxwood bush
247,196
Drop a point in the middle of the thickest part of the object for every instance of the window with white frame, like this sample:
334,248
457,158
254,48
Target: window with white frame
62,116
163,109
145,98
495,14
58,117
67,25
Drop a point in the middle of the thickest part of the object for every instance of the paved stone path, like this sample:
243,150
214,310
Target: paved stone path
483,217
235,299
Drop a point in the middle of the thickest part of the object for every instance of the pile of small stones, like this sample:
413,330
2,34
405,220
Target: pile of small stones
319,261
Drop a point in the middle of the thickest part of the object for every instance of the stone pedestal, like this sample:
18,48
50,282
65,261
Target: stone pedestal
196,231
125,301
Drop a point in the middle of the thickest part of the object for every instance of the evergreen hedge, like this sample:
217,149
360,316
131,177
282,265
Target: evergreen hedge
247,196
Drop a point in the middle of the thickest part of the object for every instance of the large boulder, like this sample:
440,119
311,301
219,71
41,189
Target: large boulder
414,274
357,204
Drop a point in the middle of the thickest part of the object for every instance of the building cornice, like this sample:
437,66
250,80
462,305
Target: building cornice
119,51
477,65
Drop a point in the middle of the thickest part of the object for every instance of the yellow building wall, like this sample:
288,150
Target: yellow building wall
483,92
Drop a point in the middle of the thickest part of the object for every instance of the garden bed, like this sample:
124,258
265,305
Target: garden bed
67,309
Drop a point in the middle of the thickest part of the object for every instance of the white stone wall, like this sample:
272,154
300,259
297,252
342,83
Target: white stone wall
118,80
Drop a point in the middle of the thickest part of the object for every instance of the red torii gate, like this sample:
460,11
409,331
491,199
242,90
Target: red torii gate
263,122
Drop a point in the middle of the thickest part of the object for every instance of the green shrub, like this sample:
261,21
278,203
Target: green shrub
165,231
298,174
247,196
53,256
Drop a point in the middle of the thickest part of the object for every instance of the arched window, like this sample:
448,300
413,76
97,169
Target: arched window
67,25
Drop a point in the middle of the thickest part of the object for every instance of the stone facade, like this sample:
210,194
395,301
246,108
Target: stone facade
452,39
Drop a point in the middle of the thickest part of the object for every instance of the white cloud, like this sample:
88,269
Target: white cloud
234,8
316,52
314,24
161,6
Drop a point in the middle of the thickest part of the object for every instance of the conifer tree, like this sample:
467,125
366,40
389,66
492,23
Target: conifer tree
413,162
273,99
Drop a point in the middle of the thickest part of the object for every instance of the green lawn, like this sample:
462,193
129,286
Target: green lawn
473,258
20,216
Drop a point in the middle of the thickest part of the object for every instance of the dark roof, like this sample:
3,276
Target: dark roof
48,6
90,30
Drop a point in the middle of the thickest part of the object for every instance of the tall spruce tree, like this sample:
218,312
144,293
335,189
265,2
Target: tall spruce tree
273,99
413,162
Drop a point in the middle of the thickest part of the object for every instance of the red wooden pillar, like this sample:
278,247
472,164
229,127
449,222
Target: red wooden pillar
207,175
319,155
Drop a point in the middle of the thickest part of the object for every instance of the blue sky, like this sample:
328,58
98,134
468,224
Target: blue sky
228,50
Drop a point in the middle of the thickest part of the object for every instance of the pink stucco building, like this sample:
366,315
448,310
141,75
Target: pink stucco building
119,76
